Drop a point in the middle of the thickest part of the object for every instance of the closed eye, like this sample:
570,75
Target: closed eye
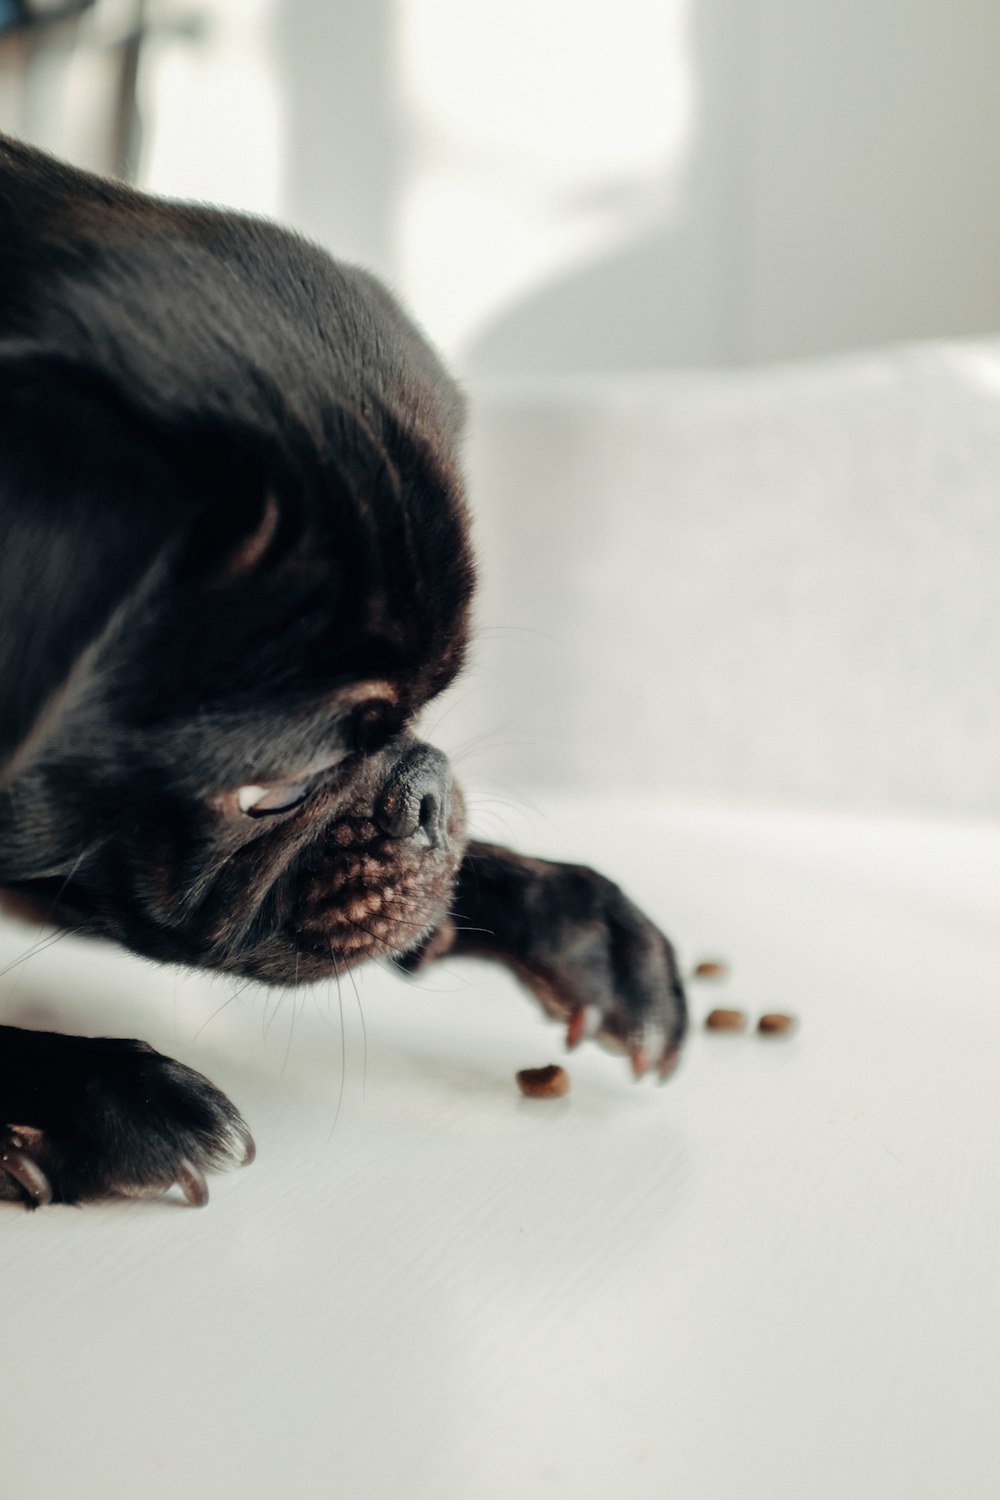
259,801
373,722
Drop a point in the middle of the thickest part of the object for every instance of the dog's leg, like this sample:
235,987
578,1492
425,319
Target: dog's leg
579,945
84,1118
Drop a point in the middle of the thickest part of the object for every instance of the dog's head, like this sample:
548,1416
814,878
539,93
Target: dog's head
234,569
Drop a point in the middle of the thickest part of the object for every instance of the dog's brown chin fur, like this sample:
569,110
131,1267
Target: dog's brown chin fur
376,897
362,895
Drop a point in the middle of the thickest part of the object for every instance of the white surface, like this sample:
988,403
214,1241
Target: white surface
778,583
775,1277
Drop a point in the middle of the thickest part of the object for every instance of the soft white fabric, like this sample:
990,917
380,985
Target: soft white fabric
781,582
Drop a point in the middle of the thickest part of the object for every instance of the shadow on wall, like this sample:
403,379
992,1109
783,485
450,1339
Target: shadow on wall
839,192
668,290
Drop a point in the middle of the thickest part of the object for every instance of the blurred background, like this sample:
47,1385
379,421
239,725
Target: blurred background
721,279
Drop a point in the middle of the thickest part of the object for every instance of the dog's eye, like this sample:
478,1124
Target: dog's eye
258,801
374,722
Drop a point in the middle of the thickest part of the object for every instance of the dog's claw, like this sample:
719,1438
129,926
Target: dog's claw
191,1181
19,1165
642,1058
652,1054
584,1022
668,1062
248,1143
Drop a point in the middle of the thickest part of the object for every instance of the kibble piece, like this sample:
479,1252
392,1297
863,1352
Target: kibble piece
543,1083
710,968
775,1024
725,1020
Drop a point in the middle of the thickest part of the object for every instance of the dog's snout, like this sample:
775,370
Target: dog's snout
416,799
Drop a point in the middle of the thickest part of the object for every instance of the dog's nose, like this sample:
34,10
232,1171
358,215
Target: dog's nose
416,799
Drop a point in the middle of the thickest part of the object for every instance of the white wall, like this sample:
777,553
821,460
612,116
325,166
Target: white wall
874,212
647,183
839,189
616,184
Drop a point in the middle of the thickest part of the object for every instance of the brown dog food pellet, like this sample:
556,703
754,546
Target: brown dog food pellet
775,1024
710,968
725,1020
543,1083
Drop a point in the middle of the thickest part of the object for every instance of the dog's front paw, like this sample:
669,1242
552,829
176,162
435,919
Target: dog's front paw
96,1118
599,964
586,952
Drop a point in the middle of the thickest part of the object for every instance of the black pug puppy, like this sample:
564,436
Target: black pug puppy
235,566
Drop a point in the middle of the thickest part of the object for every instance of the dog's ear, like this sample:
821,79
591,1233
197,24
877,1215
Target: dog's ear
89,502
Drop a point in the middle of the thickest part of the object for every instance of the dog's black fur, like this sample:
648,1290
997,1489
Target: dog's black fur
235,566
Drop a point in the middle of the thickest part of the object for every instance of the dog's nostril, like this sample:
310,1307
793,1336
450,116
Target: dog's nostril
429,811
414,803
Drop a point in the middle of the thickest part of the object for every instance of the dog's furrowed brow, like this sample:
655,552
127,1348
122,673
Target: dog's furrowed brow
251,549
211,752
344,699
339,721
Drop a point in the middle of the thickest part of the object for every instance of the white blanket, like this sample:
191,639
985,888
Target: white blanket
774,583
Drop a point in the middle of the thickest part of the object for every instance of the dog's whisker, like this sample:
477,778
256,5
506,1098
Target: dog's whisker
478,748
487,738
41,945
46,920
364,1035
457,916
457,702
397,921
218,1011
343,1048
364,1029
269,1020
518,630
485,815
364,1046
336,978
291,1030
485,801
484,797
378,941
